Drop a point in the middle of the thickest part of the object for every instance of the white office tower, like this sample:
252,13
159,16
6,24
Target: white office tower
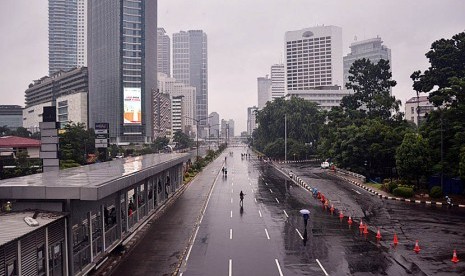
251,119
372,49
191,68
314,65
278,80
177,89
163,52
264,91
313,58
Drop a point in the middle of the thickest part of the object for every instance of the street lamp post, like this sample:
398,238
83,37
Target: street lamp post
197,124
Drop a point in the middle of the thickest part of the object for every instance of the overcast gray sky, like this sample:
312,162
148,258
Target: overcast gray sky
245,37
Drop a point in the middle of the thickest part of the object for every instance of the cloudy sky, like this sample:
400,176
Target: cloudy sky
245,37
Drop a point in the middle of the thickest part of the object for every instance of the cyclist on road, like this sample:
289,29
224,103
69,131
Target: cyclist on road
241,195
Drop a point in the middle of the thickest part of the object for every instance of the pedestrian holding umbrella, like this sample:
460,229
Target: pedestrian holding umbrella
305,213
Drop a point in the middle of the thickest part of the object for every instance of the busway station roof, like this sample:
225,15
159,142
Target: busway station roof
91,182
13,226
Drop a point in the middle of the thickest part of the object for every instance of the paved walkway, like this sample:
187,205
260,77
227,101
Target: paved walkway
159,249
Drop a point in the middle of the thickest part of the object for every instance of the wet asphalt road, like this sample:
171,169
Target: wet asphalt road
268,237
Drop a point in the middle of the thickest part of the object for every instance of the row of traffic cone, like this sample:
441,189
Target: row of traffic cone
364,228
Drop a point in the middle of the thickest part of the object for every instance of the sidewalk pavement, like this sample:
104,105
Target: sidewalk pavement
459,202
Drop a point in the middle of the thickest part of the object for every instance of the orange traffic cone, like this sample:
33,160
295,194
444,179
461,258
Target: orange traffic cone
378,235
332,209
349,221
365,230
361,227
417,247
454,257
396,241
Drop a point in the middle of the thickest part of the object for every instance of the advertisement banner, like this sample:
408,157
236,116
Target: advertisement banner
132,105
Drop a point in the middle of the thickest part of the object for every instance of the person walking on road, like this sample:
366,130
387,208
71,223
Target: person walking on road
241,195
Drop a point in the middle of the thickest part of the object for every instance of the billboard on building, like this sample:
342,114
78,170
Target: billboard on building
132,105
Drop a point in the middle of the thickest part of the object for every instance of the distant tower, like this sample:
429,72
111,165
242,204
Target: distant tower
264,91
190,67
62,35
278,80
314,58
372,49
163,52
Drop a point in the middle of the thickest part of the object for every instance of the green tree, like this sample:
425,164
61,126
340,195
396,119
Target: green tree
76,142
304,121
160,143
5,131
412,157
462,163
372,85
444,80
22,132
182,140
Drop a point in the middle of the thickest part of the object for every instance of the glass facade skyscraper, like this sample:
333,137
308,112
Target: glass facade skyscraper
122,61
191,68
62,35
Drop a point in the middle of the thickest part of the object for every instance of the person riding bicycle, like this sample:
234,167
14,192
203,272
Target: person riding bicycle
241,195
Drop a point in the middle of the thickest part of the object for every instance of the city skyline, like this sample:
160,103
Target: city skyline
243,44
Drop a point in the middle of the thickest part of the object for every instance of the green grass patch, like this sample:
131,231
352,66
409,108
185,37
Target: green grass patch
375,185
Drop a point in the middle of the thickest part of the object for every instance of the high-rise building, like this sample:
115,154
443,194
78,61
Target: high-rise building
278,80
82,33
163,52
177,114
62,35
231,127
264,91
177,89
214,124
191,68
251,119
122,60
162,115
313,58
372,49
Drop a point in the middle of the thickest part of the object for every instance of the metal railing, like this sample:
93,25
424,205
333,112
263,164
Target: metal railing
81,258
111,236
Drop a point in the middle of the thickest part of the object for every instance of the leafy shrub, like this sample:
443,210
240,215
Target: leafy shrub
391,186
436,192
403,191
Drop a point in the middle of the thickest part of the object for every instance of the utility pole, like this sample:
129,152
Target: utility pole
285,137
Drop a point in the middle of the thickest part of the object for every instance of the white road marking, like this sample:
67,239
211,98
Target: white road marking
268,236
271,191
279,268
232,191
255,200
231,213
260,213
322,268
231,200
230,267
356,191
252,190
277,200
285,213
299,233
189,252
230,234
266,184
250,183
232,184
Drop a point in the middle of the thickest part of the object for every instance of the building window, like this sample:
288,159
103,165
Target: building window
41,261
